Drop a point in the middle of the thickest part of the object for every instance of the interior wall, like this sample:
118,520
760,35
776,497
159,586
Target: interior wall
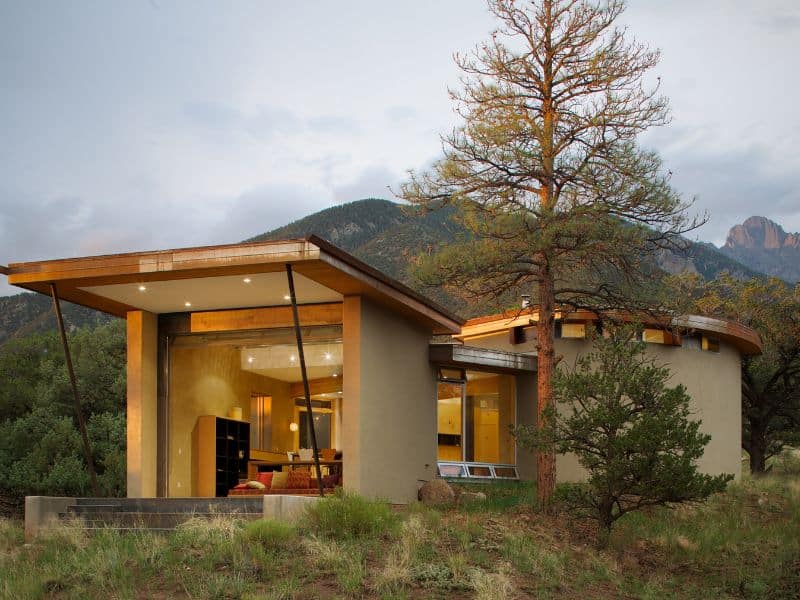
210,381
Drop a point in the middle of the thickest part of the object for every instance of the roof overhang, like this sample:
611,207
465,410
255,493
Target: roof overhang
98,281
745,339
469,357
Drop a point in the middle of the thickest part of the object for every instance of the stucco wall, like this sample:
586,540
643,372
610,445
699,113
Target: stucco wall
389,403
210,381
712,380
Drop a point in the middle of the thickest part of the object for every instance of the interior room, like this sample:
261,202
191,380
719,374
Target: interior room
476,412
252,377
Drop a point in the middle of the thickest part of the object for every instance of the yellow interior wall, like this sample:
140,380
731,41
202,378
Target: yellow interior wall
493,441
210,381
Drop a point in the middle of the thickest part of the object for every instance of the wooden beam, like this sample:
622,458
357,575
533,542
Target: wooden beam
265,318
3,270
324,385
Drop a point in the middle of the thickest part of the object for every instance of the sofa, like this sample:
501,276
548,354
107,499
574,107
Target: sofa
294,482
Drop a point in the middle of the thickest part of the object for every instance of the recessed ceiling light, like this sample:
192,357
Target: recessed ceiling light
291,358
251,359
142,288
247,280
335,374
287,297
187,304
327,356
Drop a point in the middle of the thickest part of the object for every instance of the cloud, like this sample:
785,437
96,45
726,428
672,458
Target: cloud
265,208
735,184
400,113
781,23
334,124
372,182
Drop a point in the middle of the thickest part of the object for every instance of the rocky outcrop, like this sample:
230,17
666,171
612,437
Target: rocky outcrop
764,246
760,232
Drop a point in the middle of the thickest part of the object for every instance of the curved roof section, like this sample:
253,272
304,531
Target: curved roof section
745,339
109,283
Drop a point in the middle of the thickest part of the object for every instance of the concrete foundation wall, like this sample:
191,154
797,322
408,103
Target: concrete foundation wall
389,405
712,380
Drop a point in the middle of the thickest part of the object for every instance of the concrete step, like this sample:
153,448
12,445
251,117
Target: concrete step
177,505
147,520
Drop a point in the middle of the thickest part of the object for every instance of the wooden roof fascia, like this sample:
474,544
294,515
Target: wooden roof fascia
376,277
231,259
745,339
3,270
164,264
384,288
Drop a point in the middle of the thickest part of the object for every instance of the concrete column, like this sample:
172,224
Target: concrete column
351,393
389,403
526,415
142,403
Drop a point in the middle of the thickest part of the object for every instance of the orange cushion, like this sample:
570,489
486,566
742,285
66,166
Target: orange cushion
279,480
298,480
265,477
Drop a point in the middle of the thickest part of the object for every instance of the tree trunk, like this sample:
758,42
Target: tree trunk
605,519
757,450
545,459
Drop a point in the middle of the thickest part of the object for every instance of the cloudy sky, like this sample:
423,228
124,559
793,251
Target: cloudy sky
151,124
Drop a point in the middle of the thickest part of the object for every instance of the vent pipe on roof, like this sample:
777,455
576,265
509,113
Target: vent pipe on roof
526,301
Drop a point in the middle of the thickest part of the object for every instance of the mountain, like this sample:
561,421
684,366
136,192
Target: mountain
763,245
383,234
27,313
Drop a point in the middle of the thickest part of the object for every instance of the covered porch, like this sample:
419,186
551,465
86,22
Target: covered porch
215,393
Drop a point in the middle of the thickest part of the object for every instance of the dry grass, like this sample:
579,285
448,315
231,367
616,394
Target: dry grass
741,544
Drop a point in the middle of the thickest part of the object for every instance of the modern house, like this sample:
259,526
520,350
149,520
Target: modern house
215,389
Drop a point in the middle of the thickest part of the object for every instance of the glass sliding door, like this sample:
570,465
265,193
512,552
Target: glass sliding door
450,419
476,413
490,416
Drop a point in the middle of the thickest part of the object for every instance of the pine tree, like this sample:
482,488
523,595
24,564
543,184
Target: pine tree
558,197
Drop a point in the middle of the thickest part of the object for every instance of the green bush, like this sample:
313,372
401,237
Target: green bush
348,516
271,535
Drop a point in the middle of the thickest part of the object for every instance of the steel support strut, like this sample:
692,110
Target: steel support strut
306,391
87,450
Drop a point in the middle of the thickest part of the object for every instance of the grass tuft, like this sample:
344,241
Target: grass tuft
349,516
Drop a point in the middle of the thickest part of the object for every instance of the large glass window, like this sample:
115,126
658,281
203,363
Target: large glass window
449,419
490,412
475,418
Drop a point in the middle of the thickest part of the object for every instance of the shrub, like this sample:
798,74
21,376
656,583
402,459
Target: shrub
631,433
348,516
272,535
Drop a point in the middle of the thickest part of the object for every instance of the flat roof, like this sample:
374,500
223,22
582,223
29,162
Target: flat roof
215,277
470,357
745,339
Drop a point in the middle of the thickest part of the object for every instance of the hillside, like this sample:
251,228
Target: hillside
27,313
383,234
